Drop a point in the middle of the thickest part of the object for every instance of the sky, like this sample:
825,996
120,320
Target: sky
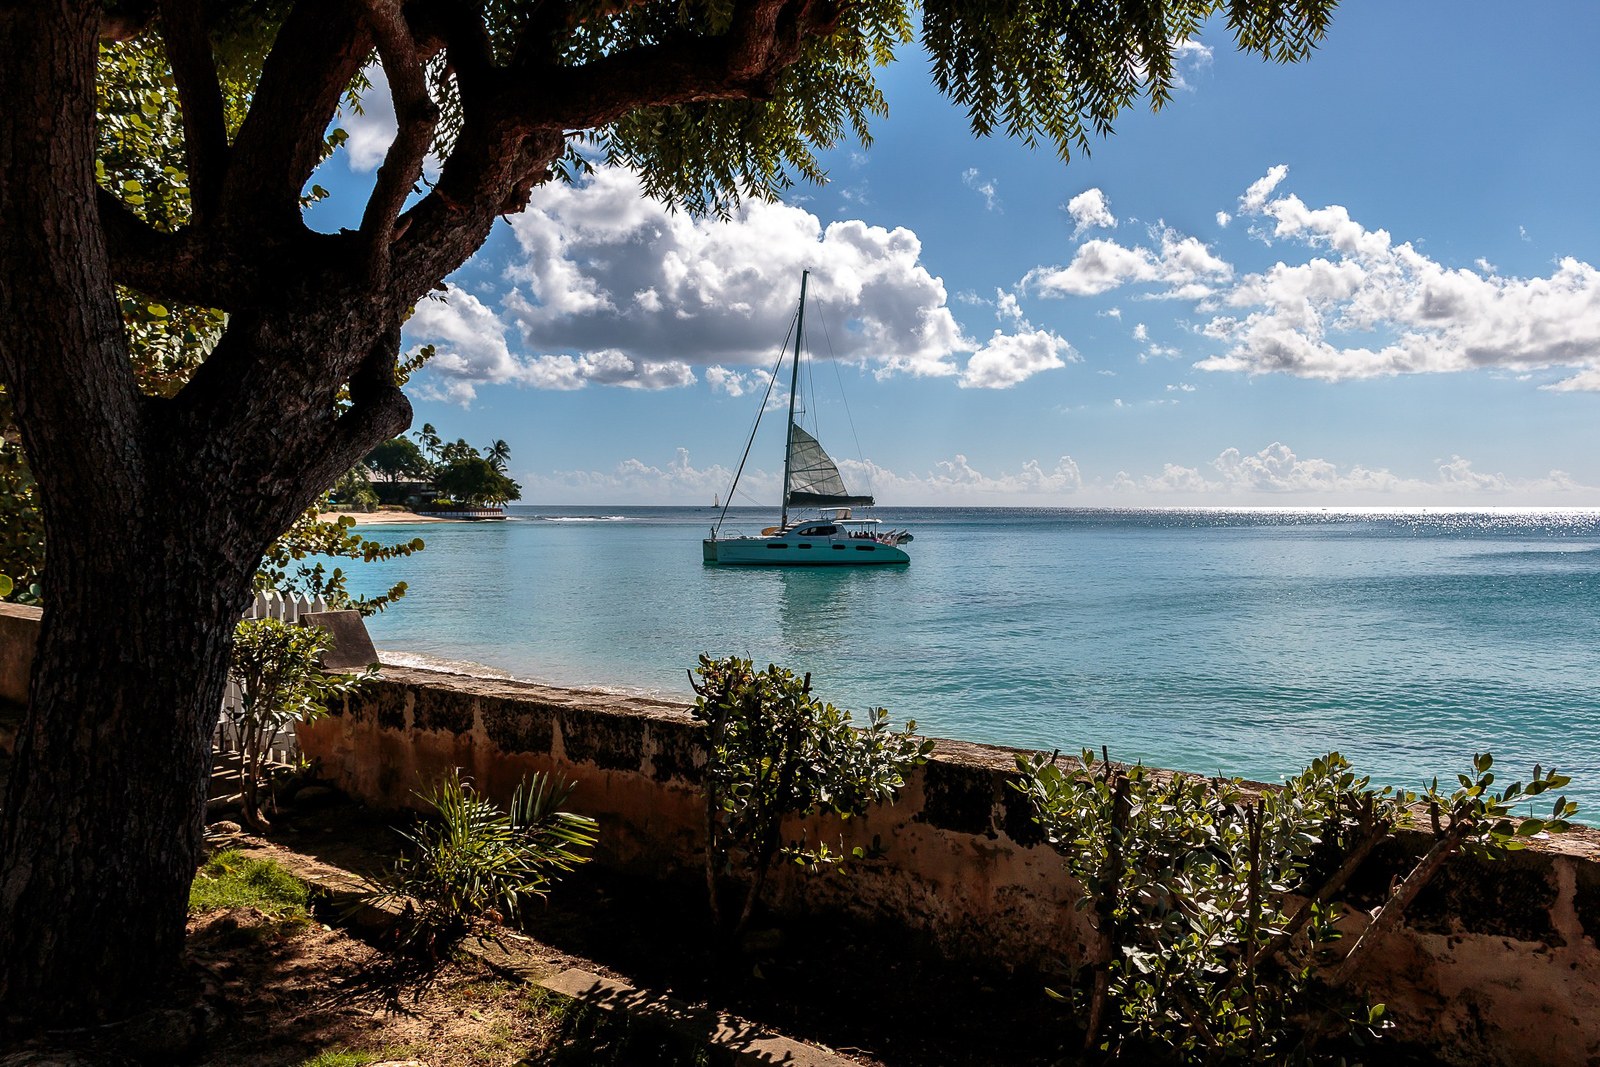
1368,279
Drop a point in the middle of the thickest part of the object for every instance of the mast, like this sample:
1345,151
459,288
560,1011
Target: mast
794,389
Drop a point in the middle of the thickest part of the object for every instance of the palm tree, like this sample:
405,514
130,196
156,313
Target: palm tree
499,453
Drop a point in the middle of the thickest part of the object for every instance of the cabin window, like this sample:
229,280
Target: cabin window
865,548
838,548
776,546
804,545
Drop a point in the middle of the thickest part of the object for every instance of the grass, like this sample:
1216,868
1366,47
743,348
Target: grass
232,880
345,1057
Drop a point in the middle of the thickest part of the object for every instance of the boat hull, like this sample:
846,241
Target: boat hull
794,551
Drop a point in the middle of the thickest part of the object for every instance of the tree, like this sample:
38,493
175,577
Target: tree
397,459
184,195
473,480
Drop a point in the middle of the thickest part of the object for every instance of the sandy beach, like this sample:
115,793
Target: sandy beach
381,518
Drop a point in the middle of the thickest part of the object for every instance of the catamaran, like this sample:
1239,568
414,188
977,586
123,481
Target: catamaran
833,537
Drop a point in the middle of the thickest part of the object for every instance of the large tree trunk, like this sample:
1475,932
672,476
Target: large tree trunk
102,823
156,514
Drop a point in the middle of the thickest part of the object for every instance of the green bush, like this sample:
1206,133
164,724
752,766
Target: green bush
475,863
1214,910
232,880
278,669
774,751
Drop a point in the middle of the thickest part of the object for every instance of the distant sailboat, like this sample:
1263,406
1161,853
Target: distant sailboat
810,480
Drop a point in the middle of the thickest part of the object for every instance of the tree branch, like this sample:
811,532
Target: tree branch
462,33
127,20
321,46
205,129
417,115
378,411
744,64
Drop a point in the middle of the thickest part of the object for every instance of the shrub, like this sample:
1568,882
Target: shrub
476,863
278,669
1214,911
774,750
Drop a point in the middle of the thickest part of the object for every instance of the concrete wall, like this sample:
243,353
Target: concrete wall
1498,965
19,633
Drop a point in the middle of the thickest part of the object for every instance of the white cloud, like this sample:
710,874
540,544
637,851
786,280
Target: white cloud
1090,209
635,481
604,268
1184,264
1189,59
1255,197
471,350
1223,218
372,130
1312,319
1140,333
1011,358
984,187
723,380
956,480
1585,381
1277,472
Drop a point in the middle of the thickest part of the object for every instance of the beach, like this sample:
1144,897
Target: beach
381,518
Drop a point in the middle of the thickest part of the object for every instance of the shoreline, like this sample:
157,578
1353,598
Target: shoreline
382,518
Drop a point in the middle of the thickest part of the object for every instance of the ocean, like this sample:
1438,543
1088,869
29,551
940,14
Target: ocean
1236,642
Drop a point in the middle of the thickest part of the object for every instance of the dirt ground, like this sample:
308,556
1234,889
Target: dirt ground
288,992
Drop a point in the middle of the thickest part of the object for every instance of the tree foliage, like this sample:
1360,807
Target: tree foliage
775,752
278,668
1216,912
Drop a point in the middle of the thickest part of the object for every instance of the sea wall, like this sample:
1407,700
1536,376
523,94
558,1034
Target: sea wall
1497,965
19,634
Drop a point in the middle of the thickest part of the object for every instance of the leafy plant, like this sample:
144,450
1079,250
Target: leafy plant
1214,909
277,667
477,863
775,751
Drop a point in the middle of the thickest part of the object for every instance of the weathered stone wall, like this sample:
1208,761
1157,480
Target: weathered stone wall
1498,965
19,633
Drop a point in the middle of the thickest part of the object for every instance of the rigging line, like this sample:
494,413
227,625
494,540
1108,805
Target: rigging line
839,376
757,425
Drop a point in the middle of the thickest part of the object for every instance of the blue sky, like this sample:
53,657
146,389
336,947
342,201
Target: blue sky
1368,279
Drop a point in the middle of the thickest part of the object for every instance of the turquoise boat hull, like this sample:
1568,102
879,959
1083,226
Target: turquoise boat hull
792,551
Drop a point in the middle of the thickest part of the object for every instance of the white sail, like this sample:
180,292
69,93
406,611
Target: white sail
813,476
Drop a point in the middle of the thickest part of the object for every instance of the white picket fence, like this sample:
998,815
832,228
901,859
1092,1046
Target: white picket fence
268,604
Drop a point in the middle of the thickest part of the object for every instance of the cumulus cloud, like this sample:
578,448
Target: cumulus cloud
952,481
1090,209
372,129
601,267
1368,307
1276,471
957,480
1273,475
1007,359
470,350
1183,264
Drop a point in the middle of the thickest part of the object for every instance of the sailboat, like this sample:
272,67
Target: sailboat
833,537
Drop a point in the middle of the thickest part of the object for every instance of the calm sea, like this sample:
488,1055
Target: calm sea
1239,642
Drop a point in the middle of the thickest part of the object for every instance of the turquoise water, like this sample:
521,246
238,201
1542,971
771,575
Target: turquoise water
1234,642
